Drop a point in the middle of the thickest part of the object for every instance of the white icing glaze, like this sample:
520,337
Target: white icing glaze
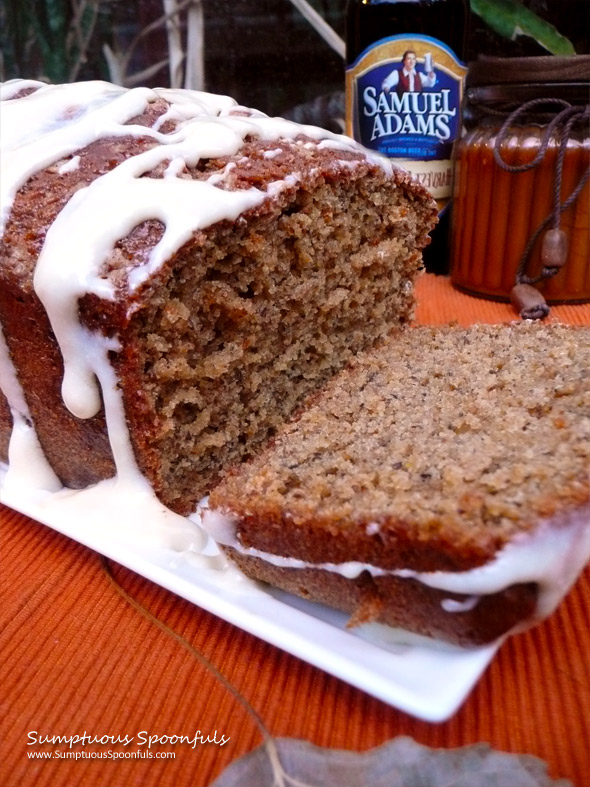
10,88
551,555
221,177
28,465
219,526
452,605
70,166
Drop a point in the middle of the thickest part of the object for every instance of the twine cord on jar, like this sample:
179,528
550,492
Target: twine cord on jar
527,300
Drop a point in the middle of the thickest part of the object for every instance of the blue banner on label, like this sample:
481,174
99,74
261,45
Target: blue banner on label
404,100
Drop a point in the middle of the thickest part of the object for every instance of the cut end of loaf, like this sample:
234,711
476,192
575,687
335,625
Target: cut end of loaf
444,436
258,314
434,453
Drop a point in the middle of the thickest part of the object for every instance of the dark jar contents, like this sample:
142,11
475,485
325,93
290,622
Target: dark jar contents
497,213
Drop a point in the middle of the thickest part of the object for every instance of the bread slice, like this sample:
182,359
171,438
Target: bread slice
210,265
440,483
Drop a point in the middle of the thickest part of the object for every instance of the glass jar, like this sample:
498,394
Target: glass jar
501,216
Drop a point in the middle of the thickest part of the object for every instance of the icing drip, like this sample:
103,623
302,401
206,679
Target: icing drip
452,605
70,166
552,556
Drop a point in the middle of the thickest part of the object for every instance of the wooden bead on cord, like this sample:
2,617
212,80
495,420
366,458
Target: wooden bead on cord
528,302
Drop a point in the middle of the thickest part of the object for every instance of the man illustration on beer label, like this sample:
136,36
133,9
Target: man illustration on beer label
406,79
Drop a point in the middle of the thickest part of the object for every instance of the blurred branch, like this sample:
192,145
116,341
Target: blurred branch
49,23
194,77
140,77
81,31
16,38
175,52
321,26
115,65
118,62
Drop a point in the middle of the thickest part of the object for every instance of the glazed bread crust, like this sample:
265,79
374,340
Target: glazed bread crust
220,344
401,602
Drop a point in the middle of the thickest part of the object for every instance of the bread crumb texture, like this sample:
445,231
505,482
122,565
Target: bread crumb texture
430,453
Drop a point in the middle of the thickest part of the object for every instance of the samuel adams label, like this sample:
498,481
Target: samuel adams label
404,85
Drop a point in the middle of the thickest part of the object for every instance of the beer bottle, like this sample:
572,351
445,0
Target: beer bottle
404,85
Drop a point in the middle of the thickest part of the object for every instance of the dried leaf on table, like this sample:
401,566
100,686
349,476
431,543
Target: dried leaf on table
398,763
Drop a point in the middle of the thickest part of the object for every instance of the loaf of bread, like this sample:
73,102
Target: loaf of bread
439,484
177,272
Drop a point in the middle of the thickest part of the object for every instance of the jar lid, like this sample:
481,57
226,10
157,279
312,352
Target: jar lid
526,70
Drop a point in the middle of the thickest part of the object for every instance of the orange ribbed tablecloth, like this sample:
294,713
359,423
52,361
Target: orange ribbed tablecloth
75,657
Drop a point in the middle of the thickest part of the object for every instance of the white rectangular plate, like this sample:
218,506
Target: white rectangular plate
426,680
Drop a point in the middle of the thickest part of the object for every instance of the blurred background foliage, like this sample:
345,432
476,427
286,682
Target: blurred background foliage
266,53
